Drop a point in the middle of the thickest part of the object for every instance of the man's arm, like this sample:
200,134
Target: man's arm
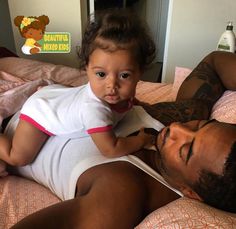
214,74
224,63
182,111
200,90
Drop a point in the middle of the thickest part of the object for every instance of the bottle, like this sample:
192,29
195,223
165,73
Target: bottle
227,39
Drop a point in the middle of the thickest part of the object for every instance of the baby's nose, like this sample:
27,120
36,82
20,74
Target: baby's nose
111,83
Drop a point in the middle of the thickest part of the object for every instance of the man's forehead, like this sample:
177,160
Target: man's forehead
226,125
223,142
232,127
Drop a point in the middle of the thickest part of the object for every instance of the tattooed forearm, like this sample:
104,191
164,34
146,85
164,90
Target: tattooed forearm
195,99
203,83
182,111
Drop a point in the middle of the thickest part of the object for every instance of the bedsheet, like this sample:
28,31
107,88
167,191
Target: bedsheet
20,197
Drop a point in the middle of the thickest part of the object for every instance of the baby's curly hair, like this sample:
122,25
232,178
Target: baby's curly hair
118,29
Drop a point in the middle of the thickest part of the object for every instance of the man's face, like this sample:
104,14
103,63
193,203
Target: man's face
187,148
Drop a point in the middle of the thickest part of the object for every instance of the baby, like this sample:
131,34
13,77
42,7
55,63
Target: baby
116,49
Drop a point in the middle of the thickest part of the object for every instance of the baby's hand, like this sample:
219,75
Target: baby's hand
148,139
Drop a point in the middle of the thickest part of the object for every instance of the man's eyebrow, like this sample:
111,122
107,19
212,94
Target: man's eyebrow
190,152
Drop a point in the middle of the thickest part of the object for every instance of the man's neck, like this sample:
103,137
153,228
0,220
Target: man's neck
150,157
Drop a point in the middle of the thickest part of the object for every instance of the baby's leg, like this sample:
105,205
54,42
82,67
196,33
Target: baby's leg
25,145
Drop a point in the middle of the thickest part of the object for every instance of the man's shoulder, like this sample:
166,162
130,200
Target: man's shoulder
127,183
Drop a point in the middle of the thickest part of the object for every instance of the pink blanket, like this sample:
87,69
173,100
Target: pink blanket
14,91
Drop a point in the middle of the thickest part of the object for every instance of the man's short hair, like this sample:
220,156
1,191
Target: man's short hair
219,190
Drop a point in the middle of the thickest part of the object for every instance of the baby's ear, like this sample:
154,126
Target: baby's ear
188,192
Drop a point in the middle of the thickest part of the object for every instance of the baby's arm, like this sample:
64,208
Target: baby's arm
112,146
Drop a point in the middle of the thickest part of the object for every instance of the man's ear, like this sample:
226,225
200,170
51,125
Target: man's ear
188,192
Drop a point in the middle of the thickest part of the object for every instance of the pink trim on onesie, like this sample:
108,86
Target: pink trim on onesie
99,129
34,123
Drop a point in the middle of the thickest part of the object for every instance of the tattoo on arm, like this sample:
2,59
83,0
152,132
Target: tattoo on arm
203,83
182,111
195,99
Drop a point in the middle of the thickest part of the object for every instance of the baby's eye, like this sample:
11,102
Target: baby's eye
124,75
100,74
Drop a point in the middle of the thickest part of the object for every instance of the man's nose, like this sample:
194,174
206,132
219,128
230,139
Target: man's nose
181,132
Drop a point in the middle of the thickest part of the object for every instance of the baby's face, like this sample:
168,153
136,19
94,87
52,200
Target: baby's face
113,75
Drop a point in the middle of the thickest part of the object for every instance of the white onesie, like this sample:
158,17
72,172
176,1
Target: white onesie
61,161
70,111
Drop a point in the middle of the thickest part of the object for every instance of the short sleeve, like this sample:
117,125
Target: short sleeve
96,117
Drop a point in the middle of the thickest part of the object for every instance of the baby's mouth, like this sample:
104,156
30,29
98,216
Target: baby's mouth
111,96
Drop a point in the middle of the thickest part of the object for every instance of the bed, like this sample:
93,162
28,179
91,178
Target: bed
20,197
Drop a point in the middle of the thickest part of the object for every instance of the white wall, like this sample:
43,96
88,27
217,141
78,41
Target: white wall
156,16
193,30
65,16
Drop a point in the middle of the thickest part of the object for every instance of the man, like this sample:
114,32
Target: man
197,158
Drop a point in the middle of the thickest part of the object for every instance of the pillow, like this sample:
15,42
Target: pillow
188,213
32,70
151,93
224,109
180,76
